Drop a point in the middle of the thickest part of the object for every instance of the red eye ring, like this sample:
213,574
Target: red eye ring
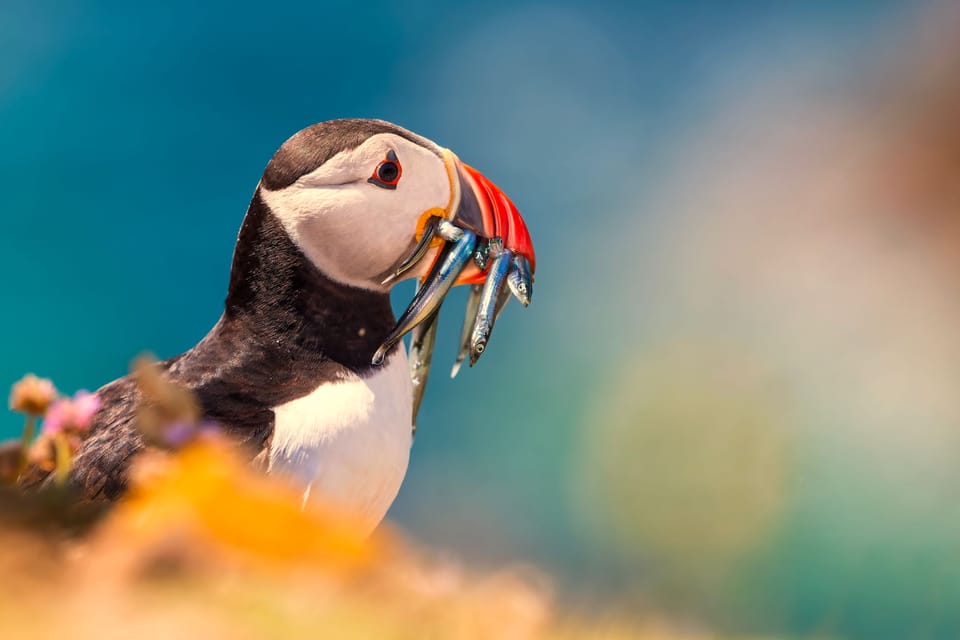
388,172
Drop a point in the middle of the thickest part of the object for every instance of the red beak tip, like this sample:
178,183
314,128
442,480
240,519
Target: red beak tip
501,218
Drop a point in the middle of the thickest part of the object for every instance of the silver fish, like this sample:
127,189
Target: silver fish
469,319
452,259
422,339
520,279
450,232
487,311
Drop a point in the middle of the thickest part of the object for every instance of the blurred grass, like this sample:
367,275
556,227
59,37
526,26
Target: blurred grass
205,547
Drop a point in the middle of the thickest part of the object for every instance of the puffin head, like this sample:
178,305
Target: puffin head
357,196
368,204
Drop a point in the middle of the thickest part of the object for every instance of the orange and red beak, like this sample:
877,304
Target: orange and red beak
487,211
479,239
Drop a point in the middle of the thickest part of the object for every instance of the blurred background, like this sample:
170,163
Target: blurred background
736,397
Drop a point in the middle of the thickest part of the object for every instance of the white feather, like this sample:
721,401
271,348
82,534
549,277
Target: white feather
348,442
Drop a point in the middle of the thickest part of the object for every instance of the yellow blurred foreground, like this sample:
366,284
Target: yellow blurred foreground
205,547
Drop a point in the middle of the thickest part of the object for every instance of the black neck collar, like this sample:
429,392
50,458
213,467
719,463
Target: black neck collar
281,297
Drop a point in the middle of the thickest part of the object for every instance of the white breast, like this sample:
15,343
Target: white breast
348,442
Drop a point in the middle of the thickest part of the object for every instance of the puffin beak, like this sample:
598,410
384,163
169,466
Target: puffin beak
479,206
487,211
481,240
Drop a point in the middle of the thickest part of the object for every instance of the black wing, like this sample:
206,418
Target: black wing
236,377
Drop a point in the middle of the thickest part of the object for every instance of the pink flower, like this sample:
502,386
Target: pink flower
179,434
71,415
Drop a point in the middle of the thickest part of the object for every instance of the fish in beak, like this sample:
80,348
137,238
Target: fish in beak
479,240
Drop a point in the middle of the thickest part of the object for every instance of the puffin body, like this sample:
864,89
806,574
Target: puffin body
288,371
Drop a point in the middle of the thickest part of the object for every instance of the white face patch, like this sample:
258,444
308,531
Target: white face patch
354,231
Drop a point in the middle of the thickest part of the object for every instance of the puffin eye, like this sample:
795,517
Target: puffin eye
388,172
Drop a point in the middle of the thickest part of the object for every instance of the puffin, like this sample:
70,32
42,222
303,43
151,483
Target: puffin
306,369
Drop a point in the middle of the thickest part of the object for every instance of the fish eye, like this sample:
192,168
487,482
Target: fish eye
388,172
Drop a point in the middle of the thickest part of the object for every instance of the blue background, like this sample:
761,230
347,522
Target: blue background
133,135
